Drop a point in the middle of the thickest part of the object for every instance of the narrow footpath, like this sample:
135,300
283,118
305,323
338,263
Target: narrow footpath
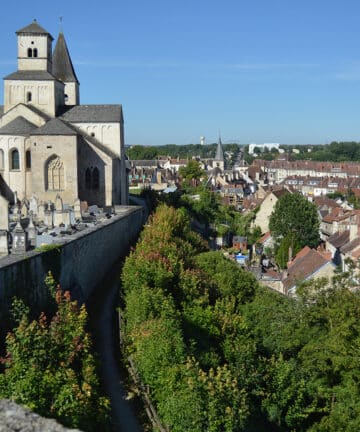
104,324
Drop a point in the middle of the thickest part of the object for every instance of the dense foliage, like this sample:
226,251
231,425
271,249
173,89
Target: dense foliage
220,353
50,368
295,220
333,152
139,152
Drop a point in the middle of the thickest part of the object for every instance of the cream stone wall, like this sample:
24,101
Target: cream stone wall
43,148
90,157
43,59
107,133
18,180
21,111
45,95
72,93
263,215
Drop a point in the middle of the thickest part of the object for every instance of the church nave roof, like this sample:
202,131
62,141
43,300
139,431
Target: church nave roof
94,113
54,127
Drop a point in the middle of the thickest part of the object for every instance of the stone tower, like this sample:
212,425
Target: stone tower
33,83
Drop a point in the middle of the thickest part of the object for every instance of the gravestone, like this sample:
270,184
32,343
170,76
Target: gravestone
77,209
4,226
59,211
32,232
33,206
20,240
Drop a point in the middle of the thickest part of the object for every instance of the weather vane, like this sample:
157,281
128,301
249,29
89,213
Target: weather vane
61,20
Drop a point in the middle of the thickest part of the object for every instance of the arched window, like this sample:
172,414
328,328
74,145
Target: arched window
35,52
30,52
14,160
1,159
28,159
88,178
54,174
28,97
95,179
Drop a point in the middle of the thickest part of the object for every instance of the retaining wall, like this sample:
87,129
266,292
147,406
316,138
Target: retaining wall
78,263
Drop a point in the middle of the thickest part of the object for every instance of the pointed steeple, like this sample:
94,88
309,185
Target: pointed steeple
63,68
219,150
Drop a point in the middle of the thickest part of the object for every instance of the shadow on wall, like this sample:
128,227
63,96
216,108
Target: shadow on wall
5,191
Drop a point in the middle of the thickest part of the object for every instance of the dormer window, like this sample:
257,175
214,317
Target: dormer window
30,52
28,97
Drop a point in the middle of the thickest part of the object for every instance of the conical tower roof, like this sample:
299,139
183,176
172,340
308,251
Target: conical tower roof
219,151
63,68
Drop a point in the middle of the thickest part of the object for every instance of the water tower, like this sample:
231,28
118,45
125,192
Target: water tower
202,140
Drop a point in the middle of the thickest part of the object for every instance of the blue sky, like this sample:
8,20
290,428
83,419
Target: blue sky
259,71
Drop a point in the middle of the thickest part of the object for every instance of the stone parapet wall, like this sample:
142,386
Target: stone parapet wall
14,418
78,262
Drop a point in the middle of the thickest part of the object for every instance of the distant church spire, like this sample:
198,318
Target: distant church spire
219,150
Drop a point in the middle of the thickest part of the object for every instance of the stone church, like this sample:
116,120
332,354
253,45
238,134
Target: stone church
50,144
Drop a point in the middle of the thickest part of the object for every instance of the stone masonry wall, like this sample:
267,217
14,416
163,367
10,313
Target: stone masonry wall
79,263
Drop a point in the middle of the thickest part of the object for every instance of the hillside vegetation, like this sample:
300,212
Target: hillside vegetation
220,353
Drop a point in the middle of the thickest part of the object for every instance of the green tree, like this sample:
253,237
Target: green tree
287,244
49,367
191,174
296,217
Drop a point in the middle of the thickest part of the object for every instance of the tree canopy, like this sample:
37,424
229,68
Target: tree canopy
220,353
296,218
50,368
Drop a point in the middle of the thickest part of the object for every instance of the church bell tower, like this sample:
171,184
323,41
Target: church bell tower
34,48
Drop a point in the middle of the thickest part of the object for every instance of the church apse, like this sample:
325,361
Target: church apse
92,176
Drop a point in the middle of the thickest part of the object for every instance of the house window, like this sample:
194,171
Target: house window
95,179
54,170
30,52
14,160
88,178
35,52
28,159
28,97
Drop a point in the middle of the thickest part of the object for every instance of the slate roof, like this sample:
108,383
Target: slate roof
63,68
348,247
18,126
32,75
54,127
339,239
34,28
219,151
94,113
